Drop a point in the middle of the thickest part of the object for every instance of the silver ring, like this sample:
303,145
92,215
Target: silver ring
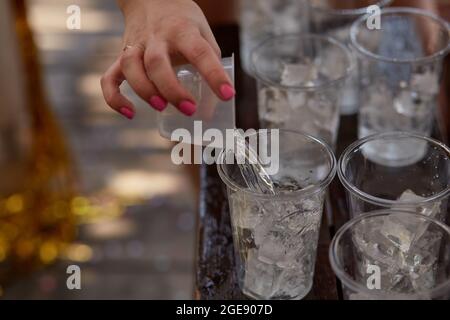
135,46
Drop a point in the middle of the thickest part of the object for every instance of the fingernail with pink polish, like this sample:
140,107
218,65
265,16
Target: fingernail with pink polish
227,91
158,103
187,107
127,112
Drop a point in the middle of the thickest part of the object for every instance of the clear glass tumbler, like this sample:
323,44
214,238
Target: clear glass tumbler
211,113
393,255
400,68
335,18
397,170
262,19
300,78
276,235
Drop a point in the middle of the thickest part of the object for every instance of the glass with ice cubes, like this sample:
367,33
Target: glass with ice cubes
335,19
400,66
397,170
300,78
393,255
276,230
264,18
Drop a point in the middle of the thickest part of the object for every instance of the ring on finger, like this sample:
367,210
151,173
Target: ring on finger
128,46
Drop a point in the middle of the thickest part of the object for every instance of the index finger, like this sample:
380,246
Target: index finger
200,53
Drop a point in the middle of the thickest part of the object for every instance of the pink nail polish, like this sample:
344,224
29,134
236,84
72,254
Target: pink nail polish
158,103
127,112
187,107
227,91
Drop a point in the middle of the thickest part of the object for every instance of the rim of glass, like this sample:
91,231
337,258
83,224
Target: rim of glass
343,161
348,281
400,10
310,190
351,12
326,39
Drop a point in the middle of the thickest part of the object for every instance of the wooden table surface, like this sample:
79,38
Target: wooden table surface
215,264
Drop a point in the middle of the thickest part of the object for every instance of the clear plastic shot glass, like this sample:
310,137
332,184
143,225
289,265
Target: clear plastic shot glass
399,171
335,18
212,113
392,255
300,79
276,234
400,67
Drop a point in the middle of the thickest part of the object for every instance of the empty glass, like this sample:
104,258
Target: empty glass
264,18
335,19
397,171
276,235
300,78
212,113
392,255
400,68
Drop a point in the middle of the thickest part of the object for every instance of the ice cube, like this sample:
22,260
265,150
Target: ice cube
271,250
297,99
299,74
430,210
426,83
331,63
411,104
259,277
315,115
276,248
274,106
400,232
375,248
290,283
403,231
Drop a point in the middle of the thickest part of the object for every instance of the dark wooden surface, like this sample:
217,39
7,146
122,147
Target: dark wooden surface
215,265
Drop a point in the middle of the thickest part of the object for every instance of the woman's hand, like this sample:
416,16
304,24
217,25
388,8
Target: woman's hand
158,35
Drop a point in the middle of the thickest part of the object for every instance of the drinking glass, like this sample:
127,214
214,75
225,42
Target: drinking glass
335,18
300,78
392,255
276,235
212,113
397,170
400,68
264,18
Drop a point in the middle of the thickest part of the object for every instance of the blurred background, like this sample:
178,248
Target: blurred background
130,211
